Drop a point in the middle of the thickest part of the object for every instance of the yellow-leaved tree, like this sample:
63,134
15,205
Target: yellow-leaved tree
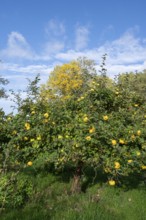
63,82
73,79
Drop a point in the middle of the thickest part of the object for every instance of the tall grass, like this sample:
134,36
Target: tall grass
53,200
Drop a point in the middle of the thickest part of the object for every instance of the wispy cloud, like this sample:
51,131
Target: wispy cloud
126,53
6,105
29,69
52,47
55,43
127,50
107,33
82,37
17,46
55,28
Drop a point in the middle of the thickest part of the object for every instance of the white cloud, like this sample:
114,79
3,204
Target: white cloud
28,69
6,105
126,49
9,104
126,53
17,75
17,46
55,39
114,70
55,28
53,47
82,37
69,55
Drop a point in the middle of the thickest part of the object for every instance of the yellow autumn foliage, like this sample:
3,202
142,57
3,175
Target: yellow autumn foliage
63,81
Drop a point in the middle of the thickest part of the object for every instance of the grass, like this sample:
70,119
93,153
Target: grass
52,199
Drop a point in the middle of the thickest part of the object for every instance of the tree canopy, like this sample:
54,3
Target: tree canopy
63,81
135,82
73,79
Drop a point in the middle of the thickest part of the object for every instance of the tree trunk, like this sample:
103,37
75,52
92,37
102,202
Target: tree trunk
76,183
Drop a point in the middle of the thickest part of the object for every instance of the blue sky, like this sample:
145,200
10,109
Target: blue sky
36,35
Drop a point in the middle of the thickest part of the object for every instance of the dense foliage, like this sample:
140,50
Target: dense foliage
99,123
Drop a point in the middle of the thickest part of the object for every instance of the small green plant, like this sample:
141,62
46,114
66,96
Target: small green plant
15,190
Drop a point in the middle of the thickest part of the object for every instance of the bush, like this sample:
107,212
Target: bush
103,128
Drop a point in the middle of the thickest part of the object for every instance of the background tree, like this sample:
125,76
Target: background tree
73,79
63,81
2,91
134,82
